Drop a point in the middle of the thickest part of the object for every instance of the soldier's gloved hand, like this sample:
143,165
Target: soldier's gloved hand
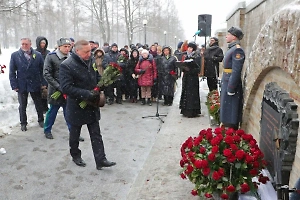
230,93
94,95
142,71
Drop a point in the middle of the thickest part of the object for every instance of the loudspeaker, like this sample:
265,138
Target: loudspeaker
204,25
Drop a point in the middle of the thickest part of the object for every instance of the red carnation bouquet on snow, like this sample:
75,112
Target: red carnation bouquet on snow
222,162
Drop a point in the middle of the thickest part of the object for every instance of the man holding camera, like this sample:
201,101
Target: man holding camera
78,80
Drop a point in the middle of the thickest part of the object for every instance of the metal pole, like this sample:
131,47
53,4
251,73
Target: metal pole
145,33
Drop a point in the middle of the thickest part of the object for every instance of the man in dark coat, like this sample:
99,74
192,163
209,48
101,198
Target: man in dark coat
190,96
167,75
78,80
51,75
26,76
231,84
41,46
178,55
212,56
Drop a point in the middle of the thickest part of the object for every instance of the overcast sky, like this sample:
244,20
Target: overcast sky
189,10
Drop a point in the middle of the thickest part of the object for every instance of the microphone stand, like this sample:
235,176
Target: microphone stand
157,105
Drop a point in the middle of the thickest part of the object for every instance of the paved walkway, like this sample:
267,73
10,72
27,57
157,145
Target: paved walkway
147,153
159,177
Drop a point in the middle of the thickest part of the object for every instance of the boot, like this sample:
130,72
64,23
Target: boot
143,101
149,102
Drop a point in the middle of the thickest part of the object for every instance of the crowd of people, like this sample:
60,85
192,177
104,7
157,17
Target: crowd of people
68,75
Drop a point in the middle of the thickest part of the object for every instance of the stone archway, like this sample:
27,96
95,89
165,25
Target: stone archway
277,45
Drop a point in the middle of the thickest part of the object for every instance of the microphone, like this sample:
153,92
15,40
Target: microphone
197,32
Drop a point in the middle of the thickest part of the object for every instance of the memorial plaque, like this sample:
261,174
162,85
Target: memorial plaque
270,124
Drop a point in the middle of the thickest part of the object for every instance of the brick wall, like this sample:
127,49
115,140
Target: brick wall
272,47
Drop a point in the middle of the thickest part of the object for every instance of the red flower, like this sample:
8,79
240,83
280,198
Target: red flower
229,139
233,147
172,72
194,192
249,159
191,154
216,176
198,164
209,135
208,195
215,141
240,132
230,188
211,157
218,130
263,179
231,159
182,163
224,196
236,138
189,170
215,149
253,172
205,171
240,154
221,172
245,188
229,131
204,164
183,176
227,152
202,150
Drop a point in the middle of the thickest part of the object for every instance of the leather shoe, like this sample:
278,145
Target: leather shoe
23,128
81,139
41,124
49,135
78,161
105,163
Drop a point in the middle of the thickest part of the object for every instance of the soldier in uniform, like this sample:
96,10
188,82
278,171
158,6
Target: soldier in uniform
231,85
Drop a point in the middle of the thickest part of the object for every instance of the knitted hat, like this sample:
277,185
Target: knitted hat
145,51
63,41
114,45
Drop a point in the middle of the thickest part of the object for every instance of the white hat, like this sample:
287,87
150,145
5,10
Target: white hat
145,51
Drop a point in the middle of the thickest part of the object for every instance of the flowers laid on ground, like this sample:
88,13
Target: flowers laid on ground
222,161
110,75
2,67
213,105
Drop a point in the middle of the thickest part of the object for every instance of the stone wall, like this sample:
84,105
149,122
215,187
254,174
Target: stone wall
272,47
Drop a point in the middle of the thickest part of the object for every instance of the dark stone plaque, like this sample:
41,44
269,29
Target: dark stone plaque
270,124
278,133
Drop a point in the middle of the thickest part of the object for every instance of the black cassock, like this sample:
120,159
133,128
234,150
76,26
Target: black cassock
190,96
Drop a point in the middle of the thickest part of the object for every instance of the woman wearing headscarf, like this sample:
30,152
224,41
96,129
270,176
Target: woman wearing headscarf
190,96
133,86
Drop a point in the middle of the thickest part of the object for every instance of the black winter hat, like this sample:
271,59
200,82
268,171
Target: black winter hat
216,39
114,45
193,45
237,32
179,45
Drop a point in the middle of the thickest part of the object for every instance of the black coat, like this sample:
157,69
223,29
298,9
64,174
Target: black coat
77,78
51,75
166,80
212,56
190,96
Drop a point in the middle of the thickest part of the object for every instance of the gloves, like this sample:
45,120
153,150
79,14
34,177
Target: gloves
142,71
230,94
94,95
44,93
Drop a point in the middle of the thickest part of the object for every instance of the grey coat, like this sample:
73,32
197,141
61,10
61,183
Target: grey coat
51,75
166,80
231,106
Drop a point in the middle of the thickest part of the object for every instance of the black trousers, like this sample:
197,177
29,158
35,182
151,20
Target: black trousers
96,141
212,83
110,90
23,101
168,99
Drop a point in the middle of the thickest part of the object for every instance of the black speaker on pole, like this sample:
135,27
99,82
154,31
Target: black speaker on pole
204,25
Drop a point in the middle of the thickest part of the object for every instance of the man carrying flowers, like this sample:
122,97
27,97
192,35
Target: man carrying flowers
78,81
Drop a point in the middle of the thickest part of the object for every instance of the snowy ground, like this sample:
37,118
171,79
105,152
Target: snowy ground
9,114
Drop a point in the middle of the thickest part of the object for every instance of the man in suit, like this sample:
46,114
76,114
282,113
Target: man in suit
78,80
26,76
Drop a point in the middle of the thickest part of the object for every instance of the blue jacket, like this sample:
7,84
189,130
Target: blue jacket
27,76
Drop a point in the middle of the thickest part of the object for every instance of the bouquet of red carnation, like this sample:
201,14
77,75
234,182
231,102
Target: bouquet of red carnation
110,75
2,67
222,162
213,105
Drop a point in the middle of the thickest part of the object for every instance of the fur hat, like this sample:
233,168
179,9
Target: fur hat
237,32
63,41
145,51
193,45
